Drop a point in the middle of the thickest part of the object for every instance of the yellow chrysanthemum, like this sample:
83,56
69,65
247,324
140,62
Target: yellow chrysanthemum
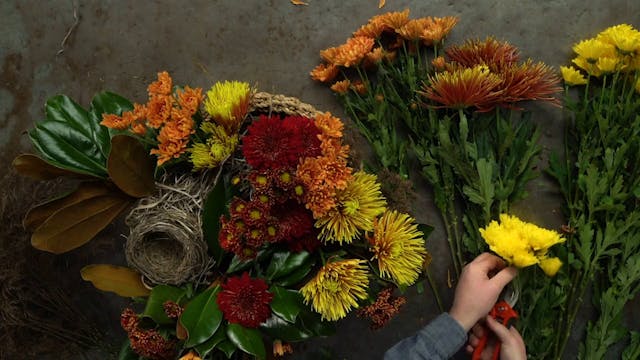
399,247
217,148
227,102
624,37
336,288
609,64
572,76
589,66
522,244
358,206
593,49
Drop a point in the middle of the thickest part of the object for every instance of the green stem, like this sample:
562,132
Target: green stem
434,288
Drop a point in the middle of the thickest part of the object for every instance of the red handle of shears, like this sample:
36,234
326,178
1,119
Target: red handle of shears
505,315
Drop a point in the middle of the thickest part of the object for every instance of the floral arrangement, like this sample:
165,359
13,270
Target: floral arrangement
271,234
599,178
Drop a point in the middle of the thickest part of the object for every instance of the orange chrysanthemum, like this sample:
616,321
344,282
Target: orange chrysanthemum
341,87
438,29
114,121
190,99
162,86
465,87
169,149
491,52
439,63
413,29
373,29
350,53
530,81
158,110
392,20
329,125
324,72
359,87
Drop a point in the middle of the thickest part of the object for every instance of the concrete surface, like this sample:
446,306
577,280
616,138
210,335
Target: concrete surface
120,45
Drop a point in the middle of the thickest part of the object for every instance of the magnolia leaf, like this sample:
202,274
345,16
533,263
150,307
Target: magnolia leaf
76,224
286,303
227,347
285,262
205,348
278,328
214,207
126,352
202,317
181,332
130,167
36,168
247,340
39,213
123,281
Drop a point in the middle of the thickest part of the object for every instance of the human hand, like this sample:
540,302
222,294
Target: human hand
477,292
512,347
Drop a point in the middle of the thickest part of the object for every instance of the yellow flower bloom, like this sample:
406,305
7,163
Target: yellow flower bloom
608,64
624,37
593,49
191,355
358,206
217,148
399,247
522,244
572,76
589,66
227,103
336,288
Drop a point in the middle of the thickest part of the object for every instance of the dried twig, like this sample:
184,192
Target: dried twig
73,26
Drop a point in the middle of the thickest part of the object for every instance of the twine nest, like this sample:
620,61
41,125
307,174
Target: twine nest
166,242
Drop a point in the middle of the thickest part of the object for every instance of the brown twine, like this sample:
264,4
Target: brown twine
165,242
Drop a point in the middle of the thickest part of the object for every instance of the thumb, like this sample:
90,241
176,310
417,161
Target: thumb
500,330
504,276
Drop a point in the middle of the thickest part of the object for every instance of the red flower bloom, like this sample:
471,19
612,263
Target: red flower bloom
272,143
245,301
147,343
294,221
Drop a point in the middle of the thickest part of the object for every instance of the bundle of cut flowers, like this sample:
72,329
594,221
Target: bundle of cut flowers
294,238
461,107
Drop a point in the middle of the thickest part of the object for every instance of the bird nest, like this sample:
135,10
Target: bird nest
166,242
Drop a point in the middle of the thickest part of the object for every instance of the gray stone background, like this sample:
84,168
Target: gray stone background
120,45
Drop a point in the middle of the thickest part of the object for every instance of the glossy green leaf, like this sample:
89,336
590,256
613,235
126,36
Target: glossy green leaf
286,303
247,340
285,262
312,322
227,347
36,168
278,328
201,317
426,230
155,304
214,207
297,275
130,167
121,280
41,212
237,264
206,347
76,224
67,148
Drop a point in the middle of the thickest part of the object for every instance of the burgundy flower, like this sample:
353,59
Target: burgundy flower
245,301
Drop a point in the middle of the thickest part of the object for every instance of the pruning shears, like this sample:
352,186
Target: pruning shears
503,312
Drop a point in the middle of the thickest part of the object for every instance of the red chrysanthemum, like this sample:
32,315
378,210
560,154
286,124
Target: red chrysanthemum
148,343
245,301
294,221
273,143
309,242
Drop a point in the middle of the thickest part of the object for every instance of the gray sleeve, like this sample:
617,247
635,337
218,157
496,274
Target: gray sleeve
440,339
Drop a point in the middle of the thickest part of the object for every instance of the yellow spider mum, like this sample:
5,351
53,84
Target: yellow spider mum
572,76
593,49
609,64
217,148
358,206
227,102
336,288
624,37
399,247
522,244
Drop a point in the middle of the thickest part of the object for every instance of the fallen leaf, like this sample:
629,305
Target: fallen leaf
130,167
36,168
121,280
75,225
181,332
381,4
41,212
299,2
